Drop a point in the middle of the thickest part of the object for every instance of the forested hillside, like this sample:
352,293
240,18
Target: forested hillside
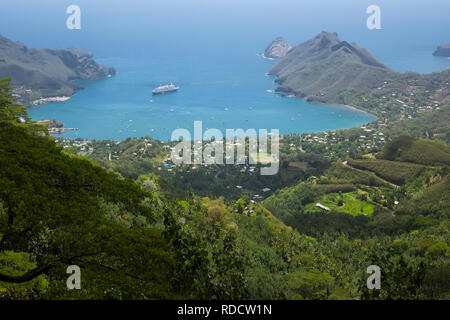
357,199
41,73
135,239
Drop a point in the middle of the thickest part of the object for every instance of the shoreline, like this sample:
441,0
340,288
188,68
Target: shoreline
345,106
285,95
60,99
264,57
356,109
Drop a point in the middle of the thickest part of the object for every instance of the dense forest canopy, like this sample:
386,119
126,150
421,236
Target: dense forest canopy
144,237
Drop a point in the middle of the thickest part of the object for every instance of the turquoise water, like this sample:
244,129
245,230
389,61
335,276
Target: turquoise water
222,94
209,49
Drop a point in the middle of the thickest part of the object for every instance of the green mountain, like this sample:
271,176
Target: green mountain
326,65
434,124
418,151
326,69
43,73
409,188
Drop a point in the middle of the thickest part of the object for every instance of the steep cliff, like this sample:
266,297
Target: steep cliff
278,48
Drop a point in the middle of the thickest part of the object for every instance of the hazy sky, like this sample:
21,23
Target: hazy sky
26,18
111,25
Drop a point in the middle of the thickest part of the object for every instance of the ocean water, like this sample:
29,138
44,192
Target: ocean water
209,49
221,93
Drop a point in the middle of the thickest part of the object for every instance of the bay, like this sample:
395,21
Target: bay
209,49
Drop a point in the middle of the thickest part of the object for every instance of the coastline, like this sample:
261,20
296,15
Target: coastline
313,102
346,106
357,109
60,99
264,57
293,95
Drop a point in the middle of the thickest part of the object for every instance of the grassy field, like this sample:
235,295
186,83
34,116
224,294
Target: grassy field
350,204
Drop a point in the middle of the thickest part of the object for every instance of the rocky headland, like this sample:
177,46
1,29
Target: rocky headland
45,75
277,49
442,51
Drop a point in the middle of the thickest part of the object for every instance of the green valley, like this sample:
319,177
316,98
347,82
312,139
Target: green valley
139,232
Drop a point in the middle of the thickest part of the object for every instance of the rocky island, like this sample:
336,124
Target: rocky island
442,51
277,49
46,75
